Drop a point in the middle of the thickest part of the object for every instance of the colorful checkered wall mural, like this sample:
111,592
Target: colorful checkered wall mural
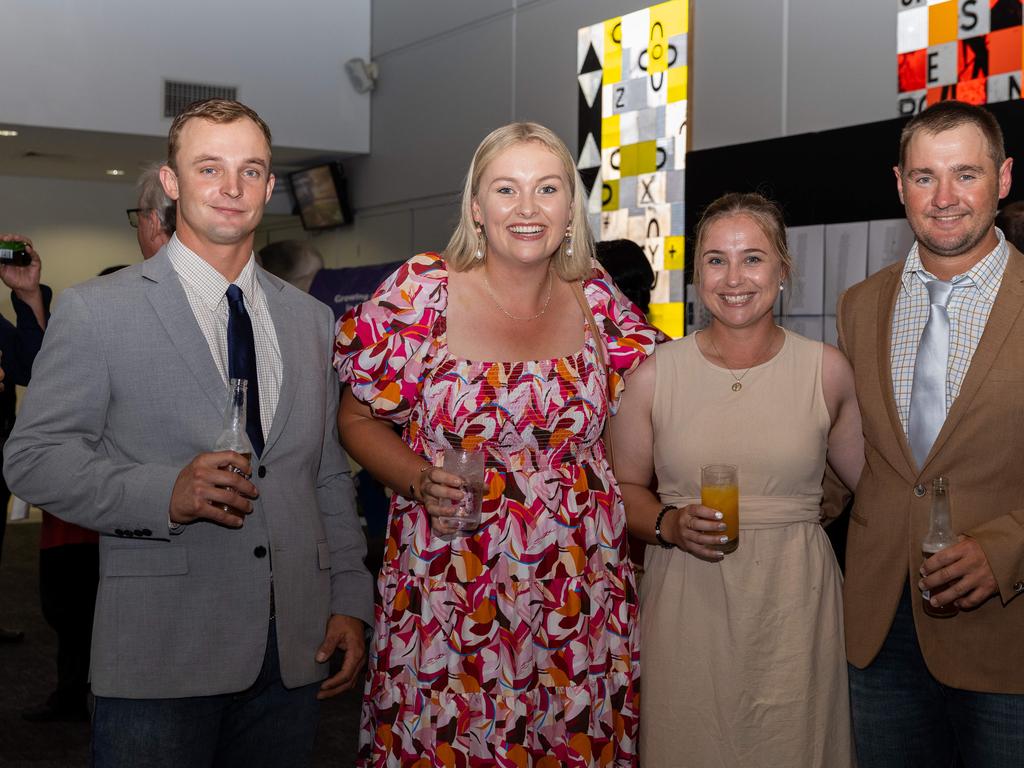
632,73
958,49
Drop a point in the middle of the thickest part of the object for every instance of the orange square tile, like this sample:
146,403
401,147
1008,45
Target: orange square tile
942,23
940,93
972,91
1004,51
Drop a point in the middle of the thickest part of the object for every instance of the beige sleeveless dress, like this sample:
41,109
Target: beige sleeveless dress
743,660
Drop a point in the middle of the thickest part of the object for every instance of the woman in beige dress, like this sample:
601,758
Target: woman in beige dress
742,654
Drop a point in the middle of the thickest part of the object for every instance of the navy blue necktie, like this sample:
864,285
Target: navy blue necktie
242,363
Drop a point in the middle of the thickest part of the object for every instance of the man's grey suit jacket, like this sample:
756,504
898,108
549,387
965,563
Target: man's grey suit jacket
125,393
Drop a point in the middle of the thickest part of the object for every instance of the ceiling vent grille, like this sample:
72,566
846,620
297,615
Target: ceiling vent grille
178,95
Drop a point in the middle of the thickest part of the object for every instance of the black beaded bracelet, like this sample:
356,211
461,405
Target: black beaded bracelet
657,527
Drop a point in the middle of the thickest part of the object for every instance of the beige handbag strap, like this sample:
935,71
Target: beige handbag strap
602,353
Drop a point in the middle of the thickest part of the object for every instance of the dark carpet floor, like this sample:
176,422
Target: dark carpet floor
28,674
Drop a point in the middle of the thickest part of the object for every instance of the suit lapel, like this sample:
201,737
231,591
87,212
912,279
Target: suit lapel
895,444
1007,307
170,303
288,341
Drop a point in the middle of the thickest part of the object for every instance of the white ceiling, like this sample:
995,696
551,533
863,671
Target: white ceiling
60,153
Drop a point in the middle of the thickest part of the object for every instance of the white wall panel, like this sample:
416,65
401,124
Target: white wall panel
841,63
100,66
433,105
736,81
432,227
399,23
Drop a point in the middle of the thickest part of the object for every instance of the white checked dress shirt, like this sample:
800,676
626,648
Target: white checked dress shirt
206,290
969,306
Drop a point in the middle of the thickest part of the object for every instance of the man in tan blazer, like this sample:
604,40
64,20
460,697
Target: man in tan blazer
925,689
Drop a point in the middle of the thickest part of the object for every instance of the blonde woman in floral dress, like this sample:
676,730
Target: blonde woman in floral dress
515,644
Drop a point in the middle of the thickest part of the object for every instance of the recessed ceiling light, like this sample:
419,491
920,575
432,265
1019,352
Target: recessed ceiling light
115,172
8,132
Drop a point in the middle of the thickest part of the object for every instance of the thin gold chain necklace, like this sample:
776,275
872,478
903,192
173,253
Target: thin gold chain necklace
737,384
509,315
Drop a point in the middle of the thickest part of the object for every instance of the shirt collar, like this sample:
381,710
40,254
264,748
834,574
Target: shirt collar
986,275
209,284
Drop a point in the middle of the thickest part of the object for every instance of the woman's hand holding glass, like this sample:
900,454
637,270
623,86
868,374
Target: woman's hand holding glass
695,529
439,491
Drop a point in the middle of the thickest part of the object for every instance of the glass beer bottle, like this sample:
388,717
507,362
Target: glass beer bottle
940,535
232,435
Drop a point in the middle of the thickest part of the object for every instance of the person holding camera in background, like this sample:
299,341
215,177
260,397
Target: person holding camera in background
20,269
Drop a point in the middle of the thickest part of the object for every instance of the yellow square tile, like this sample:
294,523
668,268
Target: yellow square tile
669,318
646,157
674,252
612,63
677,83
610,195
628,160
673,17
610,132
942,23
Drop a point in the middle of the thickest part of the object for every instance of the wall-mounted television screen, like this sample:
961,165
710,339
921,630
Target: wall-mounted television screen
321,196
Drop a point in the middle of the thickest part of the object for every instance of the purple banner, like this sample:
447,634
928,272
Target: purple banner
342,289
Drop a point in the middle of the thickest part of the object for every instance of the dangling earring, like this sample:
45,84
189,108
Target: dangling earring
568,241
481,243
782,286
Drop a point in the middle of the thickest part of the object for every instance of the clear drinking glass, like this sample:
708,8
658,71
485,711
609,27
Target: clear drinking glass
720,489
469,465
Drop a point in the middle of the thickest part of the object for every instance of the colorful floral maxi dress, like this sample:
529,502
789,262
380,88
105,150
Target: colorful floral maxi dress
516,645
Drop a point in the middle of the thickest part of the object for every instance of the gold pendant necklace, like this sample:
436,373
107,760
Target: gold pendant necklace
737,383
509,315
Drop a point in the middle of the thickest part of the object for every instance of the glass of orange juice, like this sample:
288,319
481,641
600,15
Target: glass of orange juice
720,489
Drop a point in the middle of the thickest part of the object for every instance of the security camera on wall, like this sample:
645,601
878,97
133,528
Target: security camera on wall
362,74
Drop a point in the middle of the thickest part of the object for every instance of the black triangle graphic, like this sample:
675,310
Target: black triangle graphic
590,62
589,176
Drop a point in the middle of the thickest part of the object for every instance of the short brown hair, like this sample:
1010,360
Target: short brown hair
464,241
215,111
766,213
947,115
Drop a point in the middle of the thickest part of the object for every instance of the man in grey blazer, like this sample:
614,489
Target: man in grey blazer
221,599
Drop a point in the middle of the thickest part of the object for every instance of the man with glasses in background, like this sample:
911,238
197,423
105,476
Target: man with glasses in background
153,220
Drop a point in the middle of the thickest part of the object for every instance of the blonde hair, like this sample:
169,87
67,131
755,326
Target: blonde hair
461,250
765,213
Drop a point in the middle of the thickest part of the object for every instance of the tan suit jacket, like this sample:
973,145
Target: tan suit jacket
980,450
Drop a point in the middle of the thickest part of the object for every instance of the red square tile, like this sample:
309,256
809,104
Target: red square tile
912,70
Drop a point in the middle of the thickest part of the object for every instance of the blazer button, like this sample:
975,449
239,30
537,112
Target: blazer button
920,490
260,551
262,471
146,532
137,532
118,532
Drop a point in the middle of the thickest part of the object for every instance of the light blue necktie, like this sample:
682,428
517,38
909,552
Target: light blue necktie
928,395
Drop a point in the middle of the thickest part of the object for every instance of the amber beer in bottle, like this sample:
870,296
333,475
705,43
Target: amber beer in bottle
940,535
233,436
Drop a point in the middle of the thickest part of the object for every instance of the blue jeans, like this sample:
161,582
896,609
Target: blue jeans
265,725
904,718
